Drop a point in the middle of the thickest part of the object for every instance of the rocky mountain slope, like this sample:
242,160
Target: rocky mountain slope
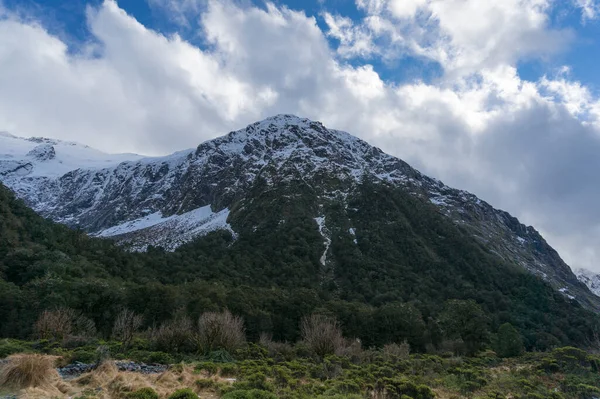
590,279
167,201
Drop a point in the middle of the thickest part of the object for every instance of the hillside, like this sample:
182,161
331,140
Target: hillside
168,201
393,272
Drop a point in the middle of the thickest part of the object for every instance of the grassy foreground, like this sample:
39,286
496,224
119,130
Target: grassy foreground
281,371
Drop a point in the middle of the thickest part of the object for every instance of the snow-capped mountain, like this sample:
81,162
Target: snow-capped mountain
167,201
590,279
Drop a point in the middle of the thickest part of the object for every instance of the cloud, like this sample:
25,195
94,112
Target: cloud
527,147
589,8
464,36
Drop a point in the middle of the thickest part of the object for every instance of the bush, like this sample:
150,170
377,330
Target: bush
64,324
399,388
126,325
173,336
219,331
205,383
144,393
183,394
277,350
509,342
322,335
393,352
209,368
249,394
24,371
8,347
228,370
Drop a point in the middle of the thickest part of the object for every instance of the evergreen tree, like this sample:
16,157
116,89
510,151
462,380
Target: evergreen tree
509,342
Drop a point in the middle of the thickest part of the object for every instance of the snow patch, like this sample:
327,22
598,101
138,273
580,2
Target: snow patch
590,279
352,232
324,232
169,232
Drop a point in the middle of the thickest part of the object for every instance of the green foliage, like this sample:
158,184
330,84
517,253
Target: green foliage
509,342
183,394
10,346
205,383
144,393
249,394
207,367
401,388
466,320
413,276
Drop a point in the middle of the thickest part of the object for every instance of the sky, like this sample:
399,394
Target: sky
499,98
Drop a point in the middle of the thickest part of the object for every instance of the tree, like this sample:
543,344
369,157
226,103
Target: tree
126,325
322,334
509,342
400,322
60,324
467,321
219,331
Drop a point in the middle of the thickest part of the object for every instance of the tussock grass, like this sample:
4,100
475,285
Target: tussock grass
28,371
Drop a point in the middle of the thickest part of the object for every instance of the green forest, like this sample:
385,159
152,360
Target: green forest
412,275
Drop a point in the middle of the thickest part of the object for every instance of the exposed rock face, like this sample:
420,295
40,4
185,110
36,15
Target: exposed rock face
158,200
42,152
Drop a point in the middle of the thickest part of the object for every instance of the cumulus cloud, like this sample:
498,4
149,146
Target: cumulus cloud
464,36
527,147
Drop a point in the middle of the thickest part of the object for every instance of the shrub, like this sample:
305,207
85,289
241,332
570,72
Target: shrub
209,368
64,324
8,347
249,394
183,394
277,350
399,388
228,370
144,393
174,335
24,371
205,383
219,331
126,325
322,335
392,352
509,342
55,324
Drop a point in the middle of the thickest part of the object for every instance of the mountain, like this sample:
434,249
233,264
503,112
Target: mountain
357,238
168,201
590,279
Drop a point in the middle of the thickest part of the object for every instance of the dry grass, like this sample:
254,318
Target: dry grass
27,371
34,377
106,382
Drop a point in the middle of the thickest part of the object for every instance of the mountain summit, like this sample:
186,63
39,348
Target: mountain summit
169,201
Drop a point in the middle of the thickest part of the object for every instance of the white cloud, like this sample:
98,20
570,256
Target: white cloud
589,8
528,147
464,36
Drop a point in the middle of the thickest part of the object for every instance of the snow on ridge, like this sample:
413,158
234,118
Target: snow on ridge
590,279
169,232
17,151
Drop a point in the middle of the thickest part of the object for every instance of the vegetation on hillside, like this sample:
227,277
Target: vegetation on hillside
412,276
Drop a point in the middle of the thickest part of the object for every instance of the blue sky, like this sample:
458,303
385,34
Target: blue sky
68,19
500,98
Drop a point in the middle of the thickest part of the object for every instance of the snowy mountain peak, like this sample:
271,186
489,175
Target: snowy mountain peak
41,157
590,279
167,201
42,152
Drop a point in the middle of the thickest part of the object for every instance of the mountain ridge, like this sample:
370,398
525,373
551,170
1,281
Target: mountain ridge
220,173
